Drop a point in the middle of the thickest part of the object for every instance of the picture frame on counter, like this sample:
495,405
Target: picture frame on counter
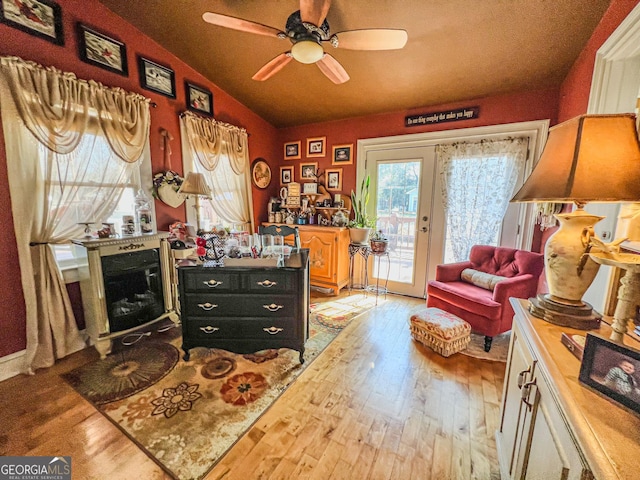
42,18
199,99
157,78
102,51
334,179
342,154
308,171
292,150
316,147
612,369
286,175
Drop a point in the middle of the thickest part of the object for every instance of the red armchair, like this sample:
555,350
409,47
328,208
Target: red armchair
478,290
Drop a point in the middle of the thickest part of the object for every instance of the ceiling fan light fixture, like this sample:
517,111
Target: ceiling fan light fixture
307,51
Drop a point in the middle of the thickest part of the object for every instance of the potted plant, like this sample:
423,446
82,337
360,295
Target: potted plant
378,242
361,225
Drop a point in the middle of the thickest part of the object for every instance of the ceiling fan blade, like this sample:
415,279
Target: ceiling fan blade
332,69
272,67
314,11
372,39
239,24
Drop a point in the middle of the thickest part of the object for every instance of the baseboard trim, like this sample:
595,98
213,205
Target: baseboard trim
12,365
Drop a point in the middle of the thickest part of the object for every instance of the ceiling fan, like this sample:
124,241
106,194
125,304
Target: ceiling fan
307,29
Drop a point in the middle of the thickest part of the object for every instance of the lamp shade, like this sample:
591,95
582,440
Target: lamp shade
195,184
590,158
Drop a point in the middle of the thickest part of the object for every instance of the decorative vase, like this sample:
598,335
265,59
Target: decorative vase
569,272
378,246
359,235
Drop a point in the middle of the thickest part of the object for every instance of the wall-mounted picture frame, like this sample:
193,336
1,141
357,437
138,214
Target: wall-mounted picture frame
286,175
157,78
260,173
613,370
308,171
342,154
199,99
316,147
292,150
100,50
42,18
333,178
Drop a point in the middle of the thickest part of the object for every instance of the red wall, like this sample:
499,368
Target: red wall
262,135
535,105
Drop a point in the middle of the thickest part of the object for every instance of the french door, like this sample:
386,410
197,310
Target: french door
405,196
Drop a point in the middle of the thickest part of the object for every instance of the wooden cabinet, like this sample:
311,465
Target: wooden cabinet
551,426
246,309
328,255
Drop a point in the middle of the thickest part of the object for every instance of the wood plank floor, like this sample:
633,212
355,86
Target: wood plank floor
373,405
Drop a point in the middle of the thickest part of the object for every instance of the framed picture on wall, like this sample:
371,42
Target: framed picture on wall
102,51
308,171
42,18
199,99
292,150
334,179
316,147
157,78
613,370
260,173
342,154
286,175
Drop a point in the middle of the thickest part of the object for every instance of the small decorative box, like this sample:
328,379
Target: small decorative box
575,344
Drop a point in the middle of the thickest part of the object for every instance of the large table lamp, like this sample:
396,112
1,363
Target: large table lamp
195,185
590,158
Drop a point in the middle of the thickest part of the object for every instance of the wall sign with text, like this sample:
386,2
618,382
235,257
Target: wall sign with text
441,117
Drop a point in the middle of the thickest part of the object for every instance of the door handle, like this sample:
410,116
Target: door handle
424,229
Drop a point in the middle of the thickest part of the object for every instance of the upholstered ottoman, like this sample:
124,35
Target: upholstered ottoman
441,331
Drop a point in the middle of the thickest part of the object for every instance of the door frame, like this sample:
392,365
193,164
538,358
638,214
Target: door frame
537,130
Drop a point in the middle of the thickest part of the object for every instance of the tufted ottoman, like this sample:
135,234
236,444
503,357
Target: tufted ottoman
441,331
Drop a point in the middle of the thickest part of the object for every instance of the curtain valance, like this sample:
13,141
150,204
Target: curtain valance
58,108
210,139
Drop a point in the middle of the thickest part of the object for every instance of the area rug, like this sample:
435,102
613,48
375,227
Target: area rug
337,314
498,351
186,415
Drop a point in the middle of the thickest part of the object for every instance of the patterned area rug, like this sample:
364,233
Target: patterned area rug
186,415
337,314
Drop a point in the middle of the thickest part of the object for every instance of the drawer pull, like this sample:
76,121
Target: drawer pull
273,307
212,283
209,329
207,306
267,283
522,375
273,330
526,391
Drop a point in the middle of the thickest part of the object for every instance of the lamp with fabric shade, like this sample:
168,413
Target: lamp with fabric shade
196,185
590,158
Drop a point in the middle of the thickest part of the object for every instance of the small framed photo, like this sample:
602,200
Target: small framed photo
260,173
42,18
157,78
286,175
613,370
334,179
308,171
102,51
292,150
342,155
199,99
316,147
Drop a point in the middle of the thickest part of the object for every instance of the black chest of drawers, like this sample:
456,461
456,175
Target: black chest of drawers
246,309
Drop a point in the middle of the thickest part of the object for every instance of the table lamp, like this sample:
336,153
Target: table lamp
590,158
196,185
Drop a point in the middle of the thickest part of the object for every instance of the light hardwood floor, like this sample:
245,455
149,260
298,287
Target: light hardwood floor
374,405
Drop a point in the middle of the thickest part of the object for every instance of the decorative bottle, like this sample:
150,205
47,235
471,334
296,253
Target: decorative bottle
143,213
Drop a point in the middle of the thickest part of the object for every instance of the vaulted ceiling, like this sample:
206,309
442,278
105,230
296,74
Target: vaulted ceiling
456,50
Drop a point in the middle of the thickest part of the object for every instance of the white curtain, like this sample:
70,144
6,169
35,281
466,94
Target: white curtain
478,179
69,143
221,152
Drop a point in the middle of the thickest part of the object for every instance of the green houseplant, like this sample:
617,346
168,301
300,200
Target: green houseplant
361,225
